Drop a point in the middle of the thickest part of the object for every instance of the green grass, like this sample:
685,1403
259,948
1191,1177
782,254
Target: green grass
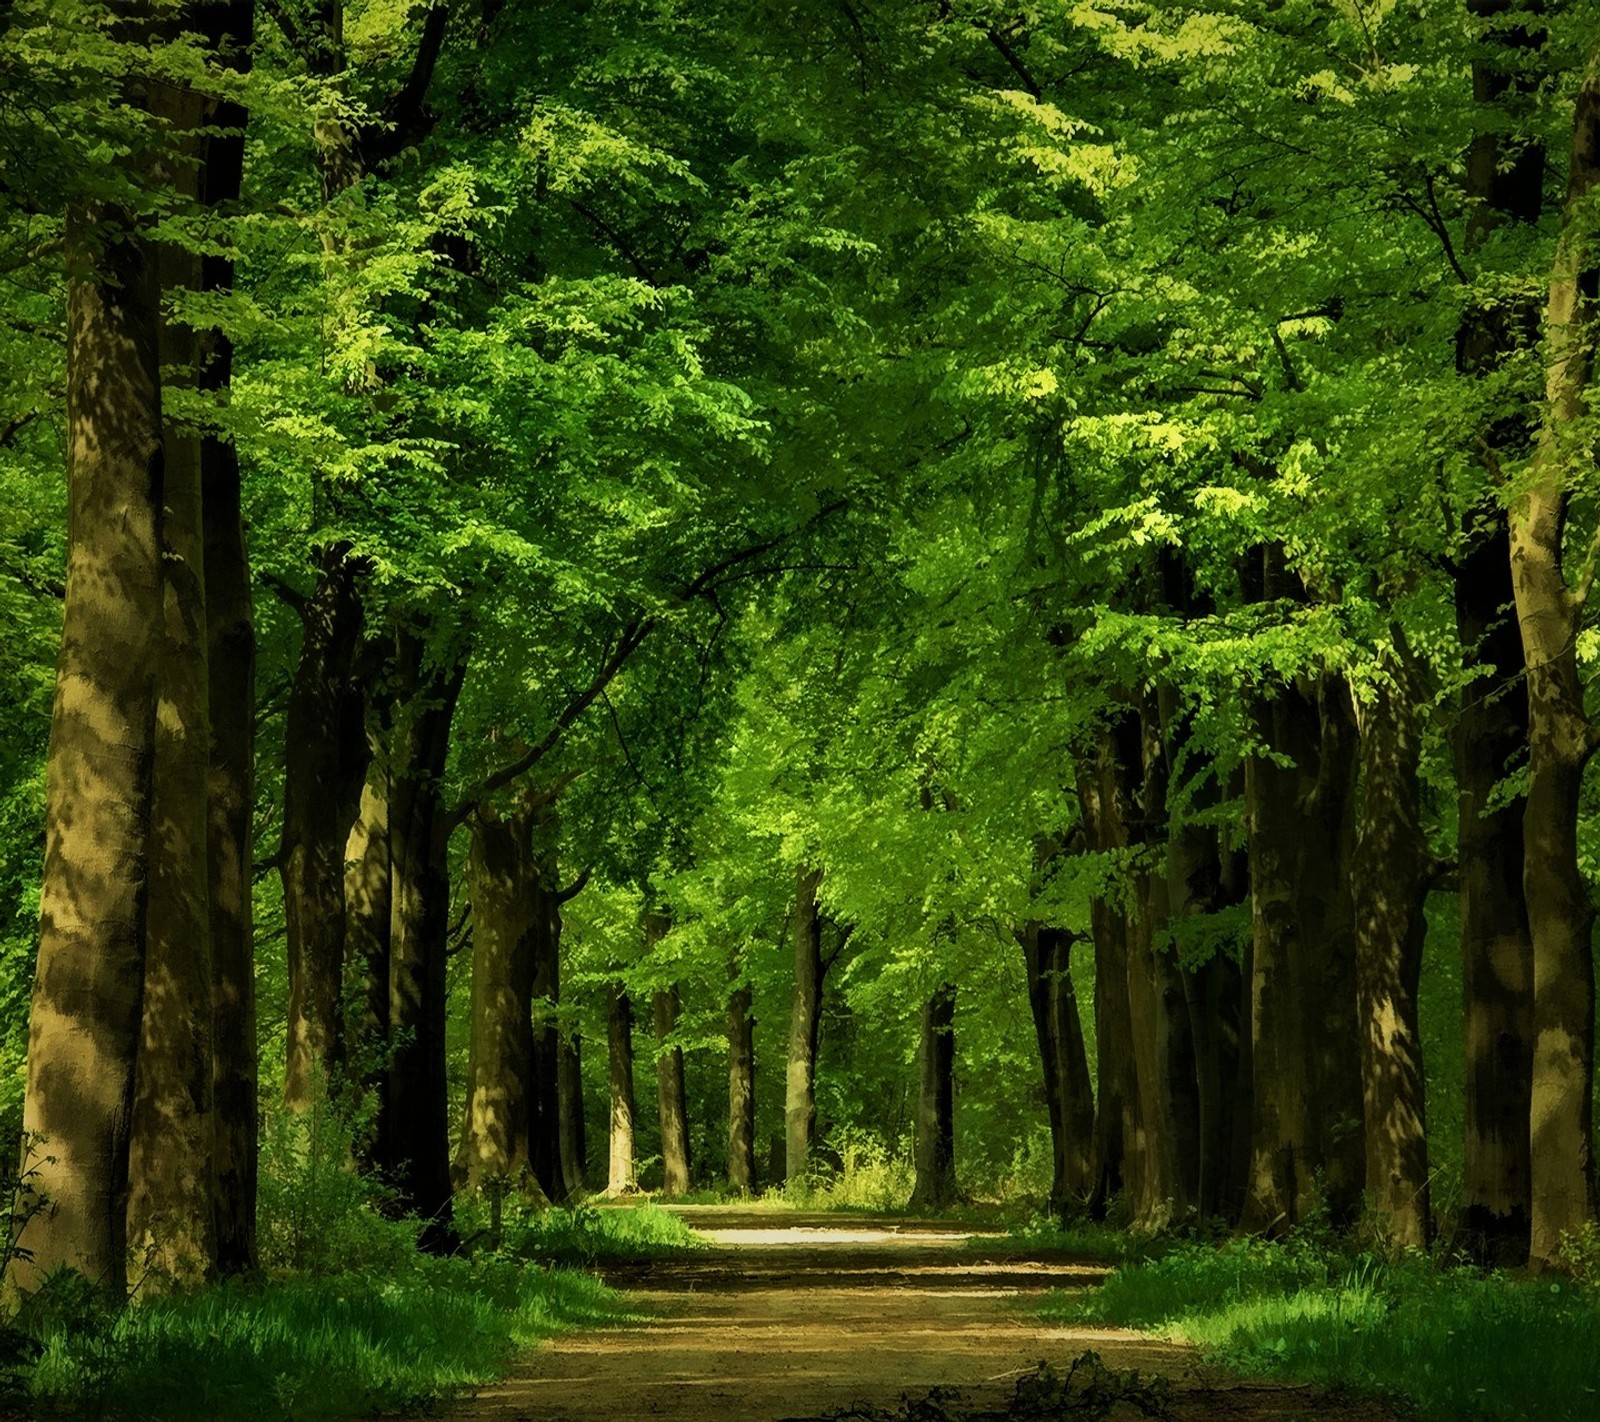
589,1235
303,1348
1084,1239
1452,1342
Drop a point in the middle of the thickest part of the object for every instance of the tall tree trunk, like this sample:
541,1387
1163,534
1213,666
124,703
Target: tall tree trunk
369,912
805,1028
230,695
574,1145
495,1150
1496,945
171,1224
1104,805
84,1020
547,1026
670,1094
935,1135
1560,738
619,1043
1164,1062
1069,1095
1389,879
413,1134
325,762
1503,185
1307,1080
741,1084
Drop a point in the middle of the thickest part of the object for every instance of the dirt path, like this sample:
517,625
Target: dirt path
795,1316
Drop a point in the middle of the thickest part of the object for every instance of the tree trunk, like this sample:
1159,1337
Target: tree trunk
1560,739
1389,874
231,673
935,1186
805,1027
1069,1096
369,913
1491,732
325,762
495,1151
574,1146
171,1222
1164,1062
741,1085
1307,1079
670,1093
619,1043
413,1134
1103,804
547,1026
84,1021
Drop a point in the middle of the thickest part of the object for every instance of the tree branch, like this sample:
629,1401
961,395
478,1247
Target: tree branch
286,592
617,240
406,120
576,887
1011,57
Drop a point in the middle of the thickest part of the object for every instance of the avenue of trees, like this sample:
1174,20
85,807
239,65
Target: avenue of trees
1033,553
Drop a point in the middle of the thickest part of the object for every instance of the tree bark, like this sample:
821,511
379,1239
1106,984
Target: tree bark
670,1094
1307,1080
619,1042
84,1020
1560,738
413,1133
935,1186
574,1145
1491,731
230,667
805,1028
495,1153
1168,1177
325,762
547,1026
1389,880
1104,808
171,1191
1069,1095
369,912
741,1084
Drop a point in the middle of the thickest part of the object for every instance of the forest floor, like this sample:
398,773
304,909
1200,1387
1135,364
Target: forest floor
800,1317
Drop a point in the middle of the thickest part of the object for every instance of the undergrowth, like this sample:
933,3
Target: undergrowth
1452,1341
346,1317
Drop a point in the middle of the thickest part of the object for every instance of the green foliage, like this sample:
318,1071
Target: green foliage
589,1235
1450,1341
305,1347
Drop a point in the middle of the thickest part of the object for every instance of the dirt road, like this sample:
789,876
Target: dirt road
795,1316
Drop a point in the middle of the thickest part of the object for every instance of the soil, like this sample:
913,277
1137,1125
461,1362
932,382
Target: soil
796,1318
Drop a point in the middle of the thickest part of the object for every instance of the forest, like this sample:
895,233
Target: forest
974,607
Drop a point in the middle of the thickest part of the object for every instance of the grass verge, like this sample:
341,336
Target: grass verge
1452,1342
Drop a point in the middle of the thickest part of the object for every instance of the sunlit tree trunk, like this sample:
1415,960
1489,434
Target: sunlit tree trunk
495,1148
369,911
671,1096
805,1027
935,1136
1389,879
619,1042
84,1020
171,1206
741,1084
1560,738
